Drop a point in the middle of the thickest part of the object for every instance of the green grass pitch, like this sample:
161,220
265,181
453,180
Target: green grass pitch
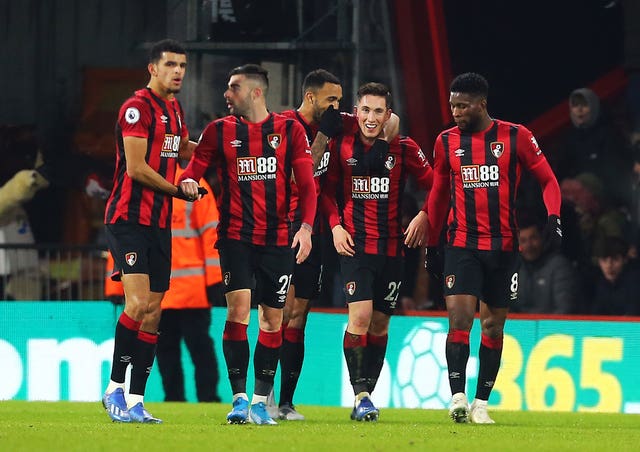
76,426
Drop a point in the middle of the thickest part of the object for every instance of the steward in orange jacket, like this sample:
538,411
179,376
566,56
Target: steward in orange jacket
195,263
196,284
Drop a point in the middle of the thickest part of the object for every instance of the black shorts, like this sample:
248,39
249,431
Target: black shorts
372,277
307,276
266,270
142,249
491,276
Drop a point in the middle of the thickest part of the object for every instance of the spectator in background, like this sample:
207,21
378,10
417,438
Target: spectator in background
593,145
596,217
615,289
547,283
196,285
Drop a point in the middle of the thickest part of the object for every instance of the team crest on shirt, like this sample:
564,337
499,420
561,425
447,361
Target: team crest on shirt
351,287
274,140
450,280
131,258
390,162
227,278
497,148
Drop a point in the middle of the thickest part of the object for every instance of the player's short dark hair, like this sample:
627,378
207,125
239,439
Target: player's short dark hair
316,79
470,83
253,72
374,89
611,246
166,45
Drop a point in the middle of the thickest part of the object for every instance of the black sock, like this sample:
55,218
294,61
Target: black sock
143,361
489,356
375,350
457,352
265,360
291,358
354,346
124,346
235,348
236,355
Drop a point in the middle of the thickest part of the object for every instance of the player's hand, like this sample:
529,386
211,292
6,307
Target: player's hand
434,262
302,239
377,156
552,234
416,233
330,122
343,241
189,190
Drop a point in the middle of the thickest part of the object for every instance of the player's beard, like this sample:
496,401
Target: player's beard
173,91
317,115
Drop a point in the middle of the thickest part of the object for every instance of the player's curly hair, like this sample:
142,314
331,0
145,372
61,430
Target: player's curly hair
166,45
375,89
470,83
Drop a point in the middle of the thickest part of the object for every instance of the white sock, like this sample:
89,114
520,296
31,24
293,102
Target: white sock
478,402
360,396
258,398
134,399
240,395
112,386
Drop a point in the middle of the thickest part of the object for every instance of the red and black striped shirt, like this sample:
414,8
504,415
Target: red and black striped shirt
477,175
350,125
371,205
254,163
160,121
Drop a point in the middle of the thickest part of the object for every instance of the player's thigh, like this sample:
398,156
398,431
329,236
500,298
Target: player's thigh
274,270
388,281
358,274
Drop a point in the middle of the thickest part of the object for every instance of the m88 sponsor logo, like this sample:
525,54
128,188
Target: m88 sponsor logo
256,168
369,187
480,176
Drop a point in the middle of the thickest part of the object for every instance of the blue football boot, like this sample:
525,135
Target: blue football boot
240,411
139,414
116,406
365,411
259,415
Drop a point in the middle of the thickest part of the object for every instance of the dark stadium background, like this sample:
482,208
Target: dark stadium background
69,64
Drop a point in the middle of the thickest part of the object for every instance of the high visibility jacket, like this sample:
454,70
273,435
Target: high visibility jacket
195,263
111,288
